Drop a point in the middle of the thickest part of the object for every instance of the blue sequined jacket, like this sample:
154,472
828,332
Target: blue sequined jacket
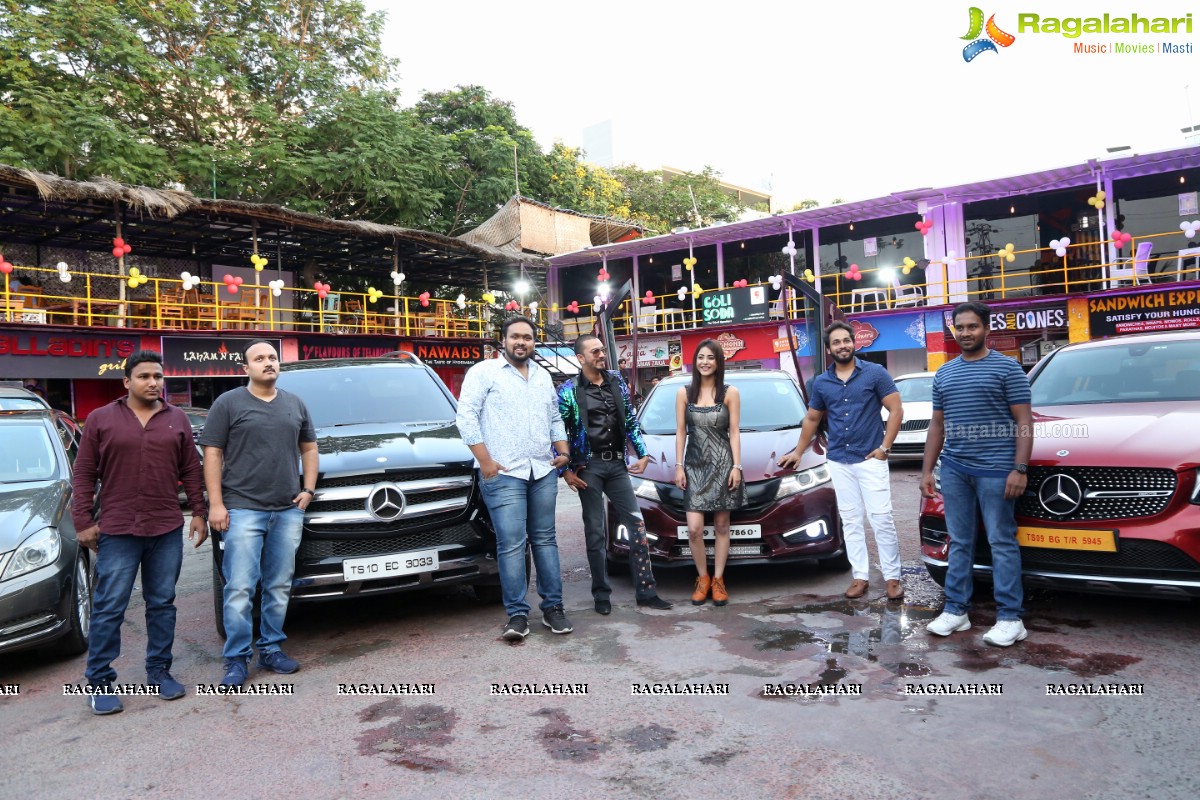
572,404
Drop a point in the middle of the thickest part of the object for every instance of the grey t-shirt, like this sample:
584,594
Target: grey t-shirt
261,443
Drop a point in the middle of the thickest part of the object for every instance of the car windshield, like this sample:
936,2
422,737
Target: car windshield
197,418
20,404
28,453
1132,372
768,404
915,390
368,393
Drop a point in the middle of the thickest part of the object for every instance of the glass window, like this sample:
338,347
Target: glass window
915,390
355,395
1130,373
28,453
768,404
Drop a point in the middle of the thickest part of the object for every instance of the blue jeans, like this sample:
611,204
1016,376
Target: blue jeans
523,510
967,496
260,546
117,562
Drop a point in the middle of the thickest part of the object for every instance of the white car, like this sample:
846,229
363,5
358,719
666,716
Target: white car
916,393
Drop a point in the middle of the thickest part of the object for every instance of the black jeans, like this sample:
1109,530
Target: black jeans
612,479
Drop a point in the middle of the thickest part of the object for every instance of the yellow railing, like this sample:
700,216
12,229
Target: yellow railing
163,303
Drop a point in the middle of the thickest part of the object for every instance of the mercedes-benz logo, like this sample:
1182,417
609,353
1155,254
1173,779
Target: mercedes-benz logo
1060,494
386,502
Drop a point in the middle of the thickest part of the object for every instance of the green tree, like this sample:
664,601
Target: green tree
664,203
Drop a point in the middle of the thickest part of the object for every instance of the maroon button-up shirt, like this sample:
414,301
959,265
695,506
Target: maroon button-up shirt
139,471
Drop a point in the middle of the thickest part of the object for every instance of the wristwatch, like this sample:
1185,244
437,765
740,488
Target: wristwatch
1022,468
887,451
309,492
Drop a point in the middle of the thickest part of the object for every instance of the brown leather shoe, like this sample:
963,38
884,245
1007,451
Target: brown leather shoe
703,584
857,589
720,596
895,589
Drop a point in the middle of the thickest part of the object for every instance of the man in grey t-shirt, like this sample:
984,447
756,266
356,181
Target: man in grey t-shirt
252,439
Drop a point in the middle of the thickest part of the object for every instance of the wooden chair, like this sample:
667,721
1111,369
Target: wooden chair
15,307
170,309
200,308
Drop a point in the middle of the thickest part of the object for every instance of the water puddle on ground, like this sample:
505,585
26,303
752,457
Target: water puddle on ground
645,738
404,741
564,742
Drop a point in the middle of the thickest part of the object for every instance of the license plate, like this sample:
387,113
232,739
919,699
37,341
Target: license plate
734,550
376,567
909,438
1062,539
735,532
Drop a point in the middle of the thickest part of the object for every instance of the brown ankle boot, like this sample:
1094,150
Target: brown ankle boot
701,594
720,596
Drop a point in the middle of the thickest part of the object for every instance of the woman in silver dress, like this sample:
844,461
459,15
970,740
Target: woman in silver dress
710,471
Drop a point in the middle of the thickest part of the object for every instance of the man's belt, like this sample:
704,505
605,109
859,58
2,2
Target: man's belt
610,455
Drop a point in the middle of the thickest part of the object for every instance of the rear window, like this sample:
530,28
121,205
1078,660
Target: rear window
768,404
20,404
1127,373
369,393
28,453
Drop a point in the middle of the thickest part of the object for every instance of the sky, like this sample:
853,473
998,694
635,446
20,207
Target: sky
845,100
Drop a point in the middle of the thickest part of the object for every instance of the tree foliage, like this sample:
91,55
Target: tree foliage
288,102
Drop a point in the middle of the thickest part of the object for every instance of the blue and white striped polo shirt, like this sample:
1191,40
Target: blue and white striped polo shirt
974,397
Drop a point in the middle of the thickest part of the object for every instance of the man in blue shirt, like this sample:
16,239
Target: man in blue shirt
982,428
852,392
508,416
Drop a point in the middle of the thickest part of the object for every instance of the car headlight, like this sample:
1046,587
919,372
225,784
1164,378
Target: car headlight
37,551
803,481
643,488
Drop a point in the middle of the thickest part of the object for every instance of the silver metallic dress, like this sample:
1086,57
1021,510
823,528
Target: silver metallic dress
708,460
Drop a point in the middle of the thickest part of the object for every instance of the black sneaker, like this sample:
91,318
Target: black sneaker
604,607
654,602
235,672
556,620
102,701
517,628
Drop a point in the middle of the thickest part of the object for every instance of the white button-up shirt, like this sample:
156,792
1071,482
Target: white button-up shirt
516,417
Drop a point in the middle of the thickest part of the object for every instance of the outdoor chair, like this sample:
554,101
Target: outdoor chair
1188,253
907,295
330,312
877,295
1135,270
647,318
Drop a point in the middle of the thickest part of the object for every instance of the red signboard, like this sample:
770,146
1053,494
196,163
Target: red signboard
36,354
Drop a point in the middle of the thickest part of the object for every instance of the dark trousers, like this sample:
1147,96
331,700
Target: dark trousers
612,479
118,559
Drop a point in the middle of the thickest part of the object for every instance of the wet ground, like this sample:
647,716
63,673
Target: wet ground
867,727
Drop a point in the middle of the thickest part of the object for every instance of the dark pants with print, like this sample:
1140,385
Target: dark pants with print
612,479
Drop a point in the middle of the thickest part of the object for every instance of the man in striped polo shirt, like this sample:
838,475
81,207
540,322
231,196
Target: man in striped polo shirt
982,428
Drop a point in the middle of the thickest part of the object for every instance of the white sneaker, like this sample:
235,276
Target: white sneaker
948,623
1006,632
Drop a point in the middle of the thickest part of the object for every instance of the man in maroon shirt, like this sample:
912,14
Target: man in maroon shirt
139,448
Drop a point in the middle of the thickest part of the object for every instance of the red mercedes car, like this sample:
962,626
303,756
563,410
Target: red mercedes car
1113,500
788,516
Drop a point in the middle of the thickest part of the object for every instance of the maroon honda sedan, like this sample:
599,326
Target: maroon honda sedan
1113,500
789,515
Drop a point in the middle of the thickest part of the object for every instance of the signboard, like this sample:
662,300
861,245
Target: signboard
653,351
442,353
64,355
206,356
903,331
309,347
734,306
1166,310
1016,319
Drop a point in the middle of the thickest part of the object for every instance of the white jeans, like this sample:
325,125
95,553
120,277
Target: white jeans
866,486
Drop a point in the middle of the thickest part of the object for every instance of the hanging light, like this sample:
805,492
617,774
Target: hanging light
521,287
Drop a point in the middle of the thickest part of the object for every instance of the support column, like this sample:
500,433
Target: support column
720,265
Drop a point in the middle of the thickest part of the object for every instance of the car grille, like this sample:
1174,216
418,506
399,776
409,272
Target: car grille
431,497
372,478
413,499
319,549
1129,480
914,425
1134,558
908,448
377,527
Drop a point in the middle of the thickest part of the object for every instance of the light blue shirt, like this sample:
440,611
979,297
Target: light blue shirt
516,417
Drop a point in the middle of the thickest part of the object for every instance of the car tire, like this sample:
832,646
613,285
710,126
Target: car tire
938,575
75,640
839,563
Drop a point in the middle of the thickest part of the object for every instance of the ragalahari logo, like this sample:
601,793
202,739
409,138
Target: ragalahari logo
995,36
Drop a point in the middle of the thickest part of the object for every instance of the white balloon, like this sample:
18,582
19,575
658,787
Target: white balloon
533,307
277,292
461,301
65,277
682,292
598,301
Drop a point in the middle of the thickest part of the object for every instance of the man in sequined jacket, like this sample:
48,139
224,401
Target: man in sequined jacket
599,419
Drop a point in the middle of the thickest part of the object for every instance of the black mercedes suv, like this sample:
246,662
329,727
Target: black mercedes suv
397,506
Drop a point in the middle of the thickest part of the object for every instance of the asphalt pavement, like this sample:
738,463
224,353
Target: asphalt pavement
789,691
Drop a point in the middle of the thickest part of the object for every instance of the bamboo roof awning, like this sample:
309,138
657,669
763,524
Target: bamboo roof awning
47,211
526,229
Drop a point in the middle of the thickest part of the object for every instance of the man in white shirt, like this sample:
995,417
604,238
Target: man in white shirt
508,416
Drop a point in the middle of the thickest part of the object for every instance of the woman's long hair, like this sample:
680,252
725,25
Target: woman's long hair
693,392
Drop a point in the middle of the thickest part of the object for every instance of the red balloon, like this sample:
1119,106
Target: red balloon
127,248
118,252
232,288
118,242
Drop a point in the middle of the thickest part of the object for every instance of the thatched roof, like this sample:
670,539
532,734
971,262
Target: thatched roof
50,211
525,228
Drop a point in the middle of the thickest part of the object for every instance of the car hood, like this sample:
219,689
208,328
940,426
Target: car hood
1118,434
761,451
914,409
29,507
382,446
